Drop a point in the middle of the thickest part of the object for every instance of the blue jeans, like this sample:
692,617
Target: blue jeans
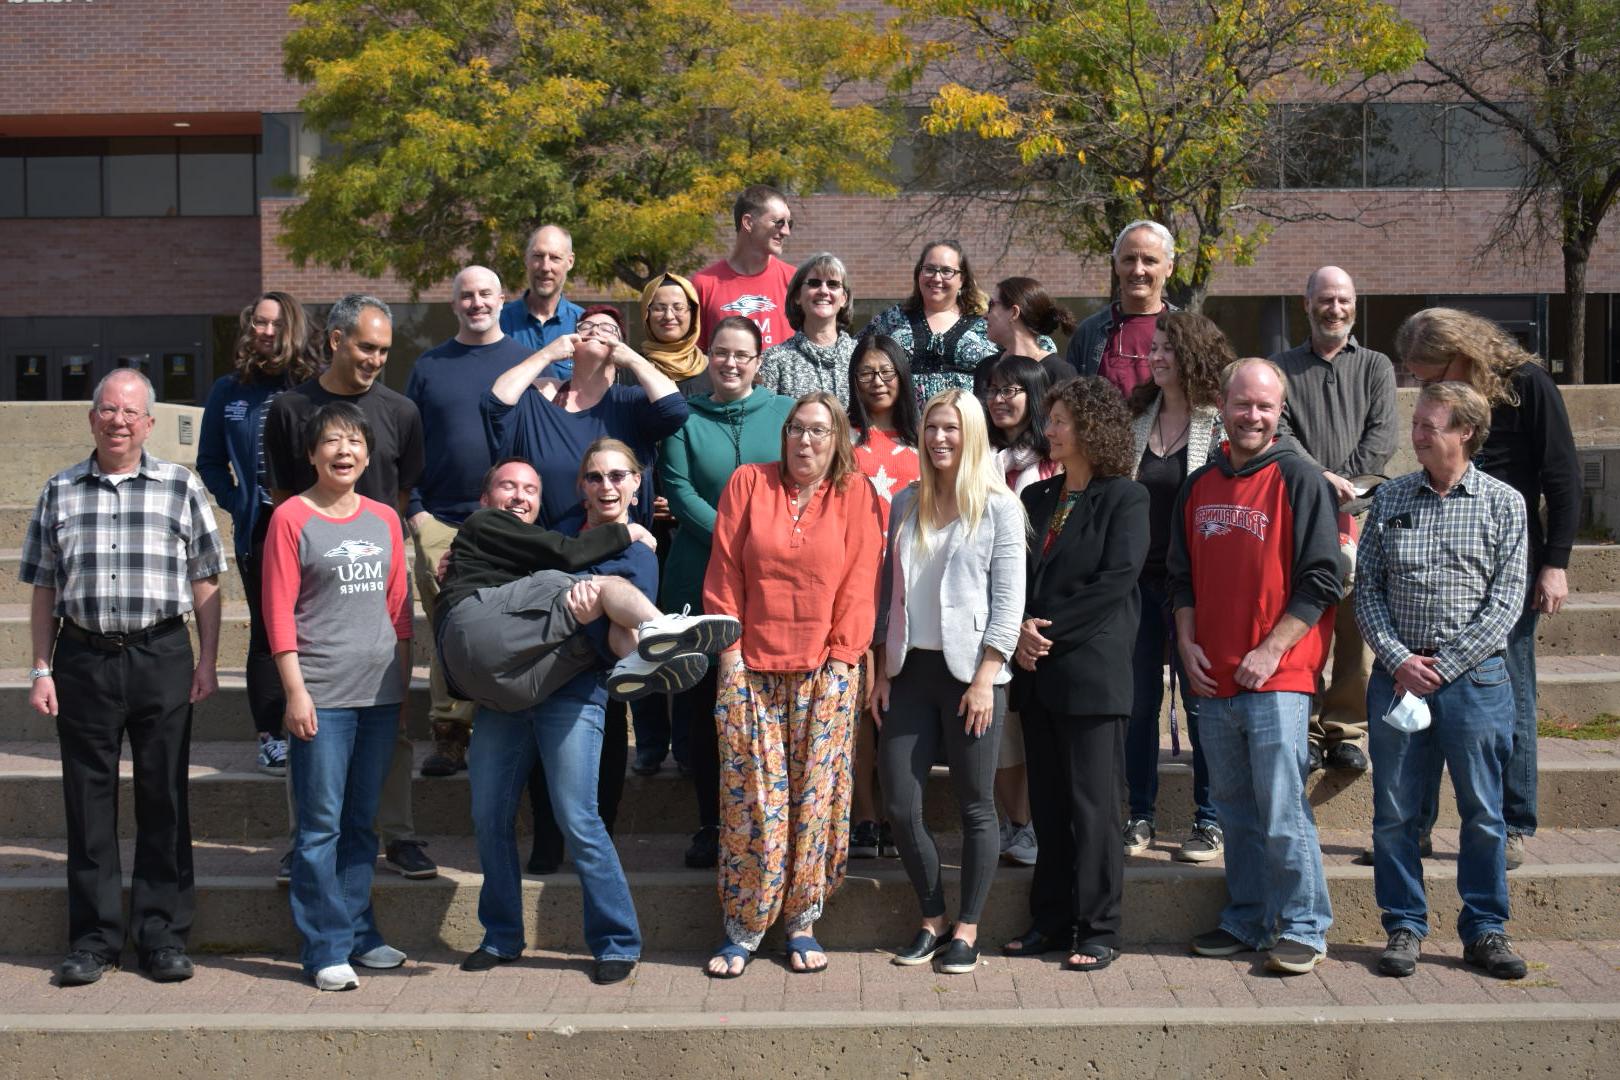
566,734
1155,632
1519,778
1256,746
1470,732
337,778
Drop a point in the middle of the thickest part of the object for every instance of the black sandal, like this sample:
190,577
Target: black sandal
1032,942
1101,955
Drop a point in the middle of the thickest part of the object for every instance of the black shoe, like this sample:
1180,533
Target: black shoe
646,764
81,968
1425,851
284,870
1218,942
704,851
608,972
1400,956
863,840
887,848
957,958
1313,759
922,949
167,964
1494,953
484,960
407,859
541,864
1346,757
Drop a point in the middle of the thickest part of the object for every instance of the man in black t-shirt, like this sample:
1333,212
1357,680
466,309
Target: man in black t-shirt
359,333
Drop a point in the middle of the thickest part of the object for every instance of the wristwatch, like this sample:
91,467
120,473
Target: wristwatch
39,672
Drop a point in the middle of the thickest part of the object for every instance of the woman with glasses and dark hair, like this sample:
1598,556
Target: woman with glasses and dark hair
736,424
671,328
795,559
817,356
272,354
1021,319
1175,424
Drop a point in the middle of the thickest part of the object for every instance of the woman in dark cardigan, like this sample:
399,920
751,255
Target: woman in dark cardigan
1089,534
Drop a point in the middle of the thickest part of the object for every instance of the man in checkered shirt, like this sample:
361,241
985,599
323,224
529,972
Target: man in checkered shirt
1441,582
120,547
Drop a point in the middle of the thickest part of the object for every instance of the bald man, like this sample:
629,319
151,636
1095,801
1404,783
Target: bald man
446,384
1341,409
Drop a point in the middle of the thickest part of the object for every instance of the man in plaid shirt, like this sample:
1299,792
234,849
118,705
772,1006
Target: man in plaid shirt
120,547
1442,572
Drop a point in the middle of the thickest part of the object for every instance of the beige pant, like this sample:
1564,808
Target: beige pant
432,540
1343,713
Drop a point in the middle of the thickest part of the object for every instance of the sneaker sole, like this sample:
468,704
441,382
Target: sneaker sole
674,673
273,770
1219,952
709,635
1010,859
918,961
412,875
1198,856
1396,970
1288,967
863,852
958,969
1137,849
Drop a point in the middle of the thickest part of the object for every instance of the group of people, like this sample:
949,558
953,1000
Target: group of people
817,565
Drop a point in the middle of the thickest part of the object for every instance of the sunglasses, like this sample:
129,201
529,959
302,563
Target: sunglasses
612,476
817,283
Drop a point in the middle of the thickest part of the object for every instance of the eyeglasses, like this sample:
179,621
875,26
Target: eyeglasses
873,376
597,329
109,413
1003,393
612,476
819,283
658,311
944,273
818,434
721,356
265,324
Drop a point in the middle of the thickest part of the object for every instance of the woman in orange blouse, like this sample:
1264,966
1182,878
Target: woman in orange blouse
797,547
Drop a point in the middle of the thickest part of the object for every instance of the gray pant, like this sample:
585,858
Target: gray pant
509,646
923,700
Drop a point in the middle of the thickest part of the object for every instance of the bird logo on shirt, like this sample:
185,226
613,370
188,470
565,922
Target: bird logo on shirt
354,549
749,305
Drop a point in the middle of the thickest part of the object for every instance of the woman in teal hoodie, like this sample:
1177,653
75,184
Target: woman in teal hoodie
737,423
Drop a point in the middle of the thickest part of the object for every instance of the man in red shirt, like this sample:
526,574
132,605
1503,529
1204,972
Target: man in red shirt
1254,574
753,280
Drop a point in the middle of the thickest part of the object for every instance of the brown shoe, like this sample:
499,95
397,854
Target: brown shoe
449,750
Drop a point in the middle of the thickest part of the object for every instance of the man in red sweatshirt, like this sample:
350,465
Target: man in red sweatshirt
1254,576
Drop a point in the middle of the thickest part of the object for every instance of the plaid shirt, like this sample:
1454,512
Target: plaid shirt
1441,574
121,556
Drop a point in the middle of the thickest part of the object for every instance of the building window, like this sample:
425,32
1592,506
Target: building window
128,177
216,176
139,178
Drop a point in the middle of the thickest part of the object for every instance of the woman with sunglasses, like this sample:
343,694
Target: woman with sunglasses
795,560
817,356
736,424
1021,319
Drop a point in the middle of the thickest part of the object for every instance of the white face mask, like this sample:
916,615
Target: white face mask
1407,712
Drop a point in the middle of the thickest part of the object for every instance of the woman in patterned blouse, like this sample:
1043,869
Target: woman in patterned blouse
817,357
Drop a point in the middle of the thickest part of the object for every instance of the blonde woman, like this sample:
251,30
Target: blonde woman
948,620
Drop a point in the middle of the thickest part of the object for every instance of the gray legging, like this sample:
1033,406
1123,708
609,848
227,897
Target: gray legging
922,710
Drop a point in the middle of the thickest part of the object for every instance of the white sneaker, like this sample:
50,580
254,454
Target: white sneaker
381,958
636,677
337,977
686,633
1021,847
1006,835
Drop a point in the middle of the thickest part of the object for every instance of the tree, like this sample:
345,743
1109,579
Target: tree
1074,117
451,127
1547,72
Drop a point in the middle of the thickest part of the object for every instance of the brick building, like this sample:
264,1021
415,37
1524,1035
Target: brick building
140,141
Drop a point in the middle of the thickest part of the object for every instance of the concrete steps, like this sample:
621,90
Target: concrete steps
1569,889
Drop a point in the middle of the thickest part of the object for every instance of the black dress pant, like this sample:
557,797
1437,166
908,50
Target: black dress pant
266,701
1076,791
144,690
548,839
703,745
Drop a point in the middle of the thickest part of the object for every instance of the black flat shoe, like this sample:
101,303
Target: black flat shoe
958,958
82,968
167,964
484,960
611,971
922,949
1032,942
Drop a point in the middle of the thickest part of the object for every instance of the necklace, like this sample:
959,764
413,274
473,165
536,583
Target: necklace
1158,426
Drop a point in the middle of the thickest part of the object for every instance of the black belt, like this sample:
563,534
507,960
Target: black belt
116,642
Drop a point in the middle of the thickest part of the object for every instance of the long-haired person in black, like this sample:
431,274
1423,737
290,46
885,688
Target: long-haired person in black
1021,319
883,424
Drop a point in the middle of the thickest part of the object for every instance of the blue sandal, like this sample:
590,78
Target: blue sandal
800,946
730,951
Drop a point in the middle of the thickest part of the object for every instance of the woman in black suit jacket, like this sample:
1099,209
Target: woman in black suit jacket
1089,535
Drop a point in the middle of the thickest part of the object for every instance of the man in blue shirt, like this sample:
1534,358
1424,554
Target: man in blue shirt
447,384
542,314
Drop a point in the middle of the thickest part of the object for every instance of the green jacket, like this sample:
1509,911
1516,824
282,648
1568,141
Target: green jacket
694,465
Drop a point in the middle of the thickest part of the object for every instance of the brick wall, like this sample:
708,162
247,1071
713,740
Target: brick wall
128,266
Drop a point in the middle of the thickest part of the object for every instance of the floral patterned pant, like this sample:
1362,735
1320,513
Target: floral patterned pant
785,744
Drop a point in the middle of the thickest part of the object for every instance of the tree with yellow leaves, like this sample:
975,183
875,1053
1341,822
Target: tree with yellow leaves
1074,117
451,127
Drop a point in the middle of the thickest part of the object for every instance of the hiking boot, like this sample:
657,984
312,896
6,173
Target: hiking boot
1493,952
449,750
1400,956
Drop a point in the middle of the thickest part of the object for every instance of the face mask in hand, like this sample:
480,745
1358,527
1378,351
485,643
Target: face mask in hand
1407,712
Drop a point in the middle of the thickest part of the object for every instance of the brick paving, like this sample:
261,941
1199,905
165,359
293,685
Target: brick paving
1159,977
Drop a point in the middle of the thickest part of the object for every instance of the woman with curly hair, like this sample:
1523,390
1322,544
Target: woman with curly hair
1176,422
272,354
1089,530
1532,448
